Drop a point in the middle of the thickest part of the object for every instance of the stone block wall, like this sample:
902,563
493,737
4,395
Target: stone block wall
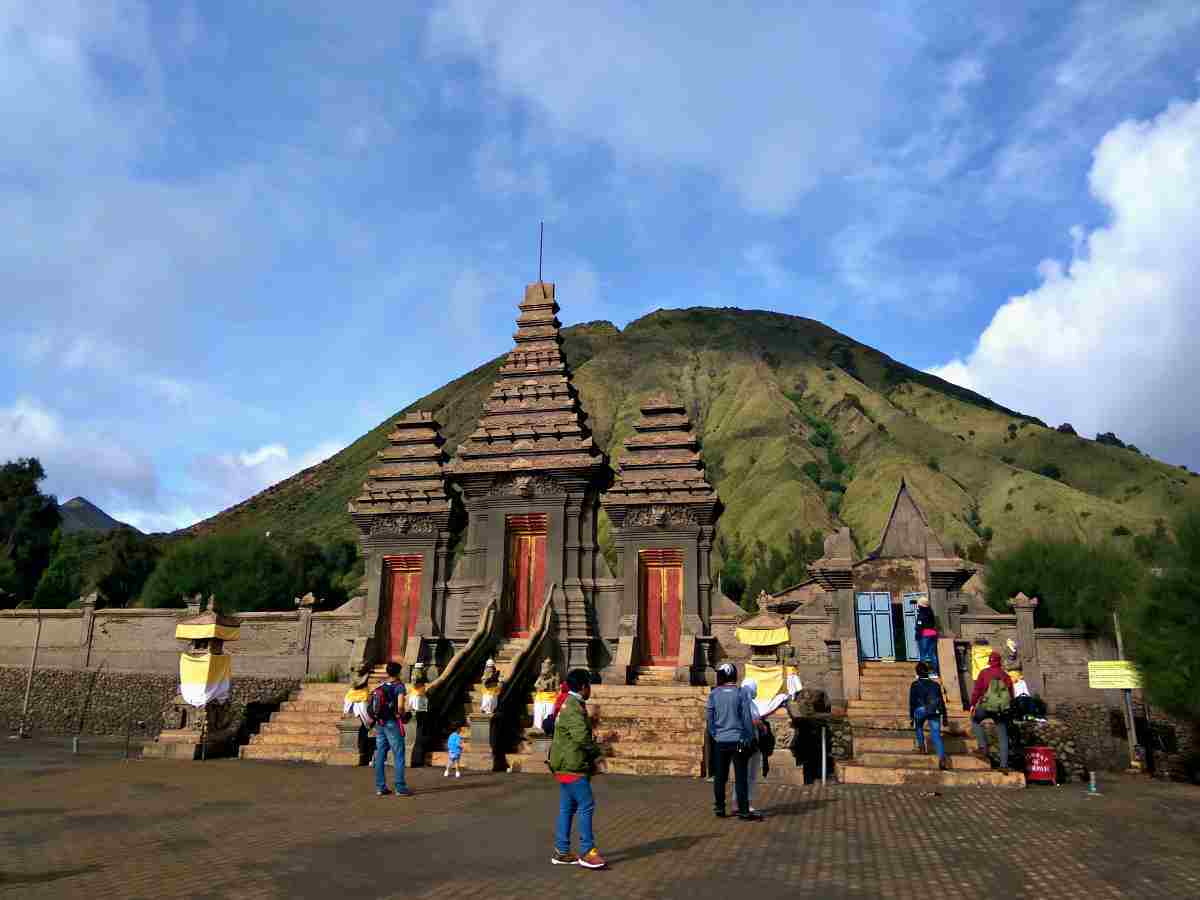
290,644
100,701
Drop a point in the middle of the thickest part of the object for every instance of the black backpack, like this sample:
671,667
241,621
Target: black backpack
382,705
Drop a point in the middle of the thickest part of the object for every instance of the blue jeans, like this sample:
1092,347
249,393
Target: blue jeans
927,651
935,731
387,736
573,798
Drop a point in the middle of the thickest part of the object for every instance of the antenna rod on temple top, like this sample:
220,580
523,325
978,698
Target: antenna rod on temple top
541,234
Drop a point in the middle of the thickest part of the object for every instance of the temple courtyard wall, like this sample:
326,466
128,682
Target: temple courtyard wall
291,644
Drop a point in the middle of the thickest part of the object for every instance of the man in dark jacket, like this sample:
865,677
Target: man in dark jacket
988,702
926,704
731,724
573,755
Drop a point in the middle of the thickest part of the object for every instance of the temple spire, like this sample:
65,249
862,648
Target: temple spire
532,420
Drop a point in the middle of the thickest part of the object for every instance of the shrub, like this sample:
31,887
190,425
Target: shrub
934,464
1008,507
1050,470
1079,584
837,465
832,485
1159,625
1010,460
813,471
1121,531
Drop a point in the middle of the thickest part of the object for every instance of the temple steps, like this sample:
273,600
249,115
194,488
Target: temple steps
305,727
655,675
888,742
912,759
856,773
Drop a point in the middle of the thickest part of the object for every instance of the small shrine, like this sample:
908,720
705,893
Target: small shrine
199,723
767,634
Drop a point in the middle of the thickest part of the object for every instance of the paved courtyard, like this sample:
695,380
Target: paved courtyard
94,826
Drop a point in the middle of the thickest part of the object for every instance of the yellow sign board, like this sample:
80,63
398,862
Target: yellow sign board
1117,673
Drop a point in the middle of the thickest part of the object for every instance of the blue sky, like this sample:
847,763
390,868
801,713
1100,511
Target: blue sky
239,236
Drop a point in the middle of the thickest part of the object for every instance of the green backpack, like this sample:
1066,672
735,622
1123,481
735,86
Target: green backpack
996,699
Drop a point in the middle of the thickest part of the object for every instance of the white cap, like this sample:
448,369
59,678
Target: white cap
727,668
490,662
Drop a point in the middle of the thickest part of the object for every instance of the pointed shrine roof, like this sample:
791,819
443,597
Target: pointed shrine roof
662,461
532,420
907,532
409,476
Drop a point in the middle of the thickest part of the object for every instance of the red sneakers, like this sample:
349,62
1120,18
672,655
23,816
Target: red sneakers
592,860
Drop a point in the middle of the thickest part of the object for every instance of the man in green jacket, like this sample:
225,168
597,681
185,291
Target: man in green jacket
573,757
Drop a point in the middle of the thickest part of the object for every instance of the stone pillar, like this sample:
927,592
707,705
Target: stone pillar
1024,608
305,606
86,624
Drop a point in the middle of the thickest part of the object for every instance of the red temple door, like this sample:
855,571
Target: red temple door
660,589
526,570
404,601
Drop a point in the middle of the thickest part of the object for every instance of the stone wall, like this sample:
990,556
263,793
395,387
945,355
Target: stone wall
289,644
1063,656
102,701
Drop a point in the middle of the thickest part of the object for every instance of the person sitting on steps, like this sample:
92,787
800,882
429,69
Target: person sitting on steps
927,704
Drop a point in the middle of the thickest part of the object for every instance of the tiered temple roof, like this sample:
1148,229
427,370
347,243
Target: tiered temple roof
410,476
662,462
532,420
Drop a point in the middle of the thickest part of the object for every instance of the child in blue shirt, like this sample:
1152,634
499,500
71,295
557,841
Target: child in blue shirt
454,748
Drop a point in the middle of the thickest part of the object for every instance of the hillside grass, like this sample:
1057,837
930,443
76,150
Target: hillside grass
760,388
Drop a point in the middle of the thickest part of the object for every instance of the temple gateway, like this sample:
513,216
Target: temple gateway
487,583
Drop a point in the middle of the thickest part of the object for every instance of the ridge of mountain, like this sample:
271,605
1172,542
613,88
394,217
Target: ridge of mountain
80,514
801,428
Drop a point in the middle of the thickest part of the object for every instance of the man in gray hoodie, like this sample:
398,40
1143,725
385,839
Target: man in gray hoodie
731,725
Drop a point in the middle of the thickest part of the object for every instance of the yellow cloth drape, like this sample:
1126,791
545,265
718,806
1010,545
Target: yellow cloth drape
753,637
769,680
200,632
204,677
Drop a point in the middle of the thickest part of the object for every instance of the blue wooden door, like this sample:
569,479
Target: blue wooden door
874,614
910,626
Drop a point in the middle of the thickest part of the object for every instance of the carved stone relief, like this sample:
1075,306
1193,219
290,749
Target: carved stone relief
526,486
401,525
661,516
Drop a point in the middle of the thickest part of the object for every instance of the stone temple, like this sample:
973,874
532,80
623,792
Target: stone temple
494,556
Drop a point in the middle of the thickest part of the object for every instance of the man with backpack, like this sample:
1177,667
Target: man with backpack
386,709
992,699
926,703
731,724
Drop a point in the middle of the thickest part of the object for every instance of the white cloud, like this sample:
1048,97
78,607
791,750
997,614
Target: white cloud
79,459
1106,341
772,102
223,479
761,261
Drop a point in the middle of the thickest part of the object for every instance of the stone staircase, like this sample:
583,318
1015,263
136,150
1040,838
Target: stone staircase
884,743
506,654
305,729
661,675
645,729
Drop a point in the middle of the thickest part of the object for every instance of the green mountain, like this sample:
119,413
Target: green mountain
802,428
80,514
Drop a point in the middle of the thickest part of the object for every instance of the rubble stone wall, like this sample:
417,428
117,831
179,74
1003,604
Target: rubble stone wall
101,701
